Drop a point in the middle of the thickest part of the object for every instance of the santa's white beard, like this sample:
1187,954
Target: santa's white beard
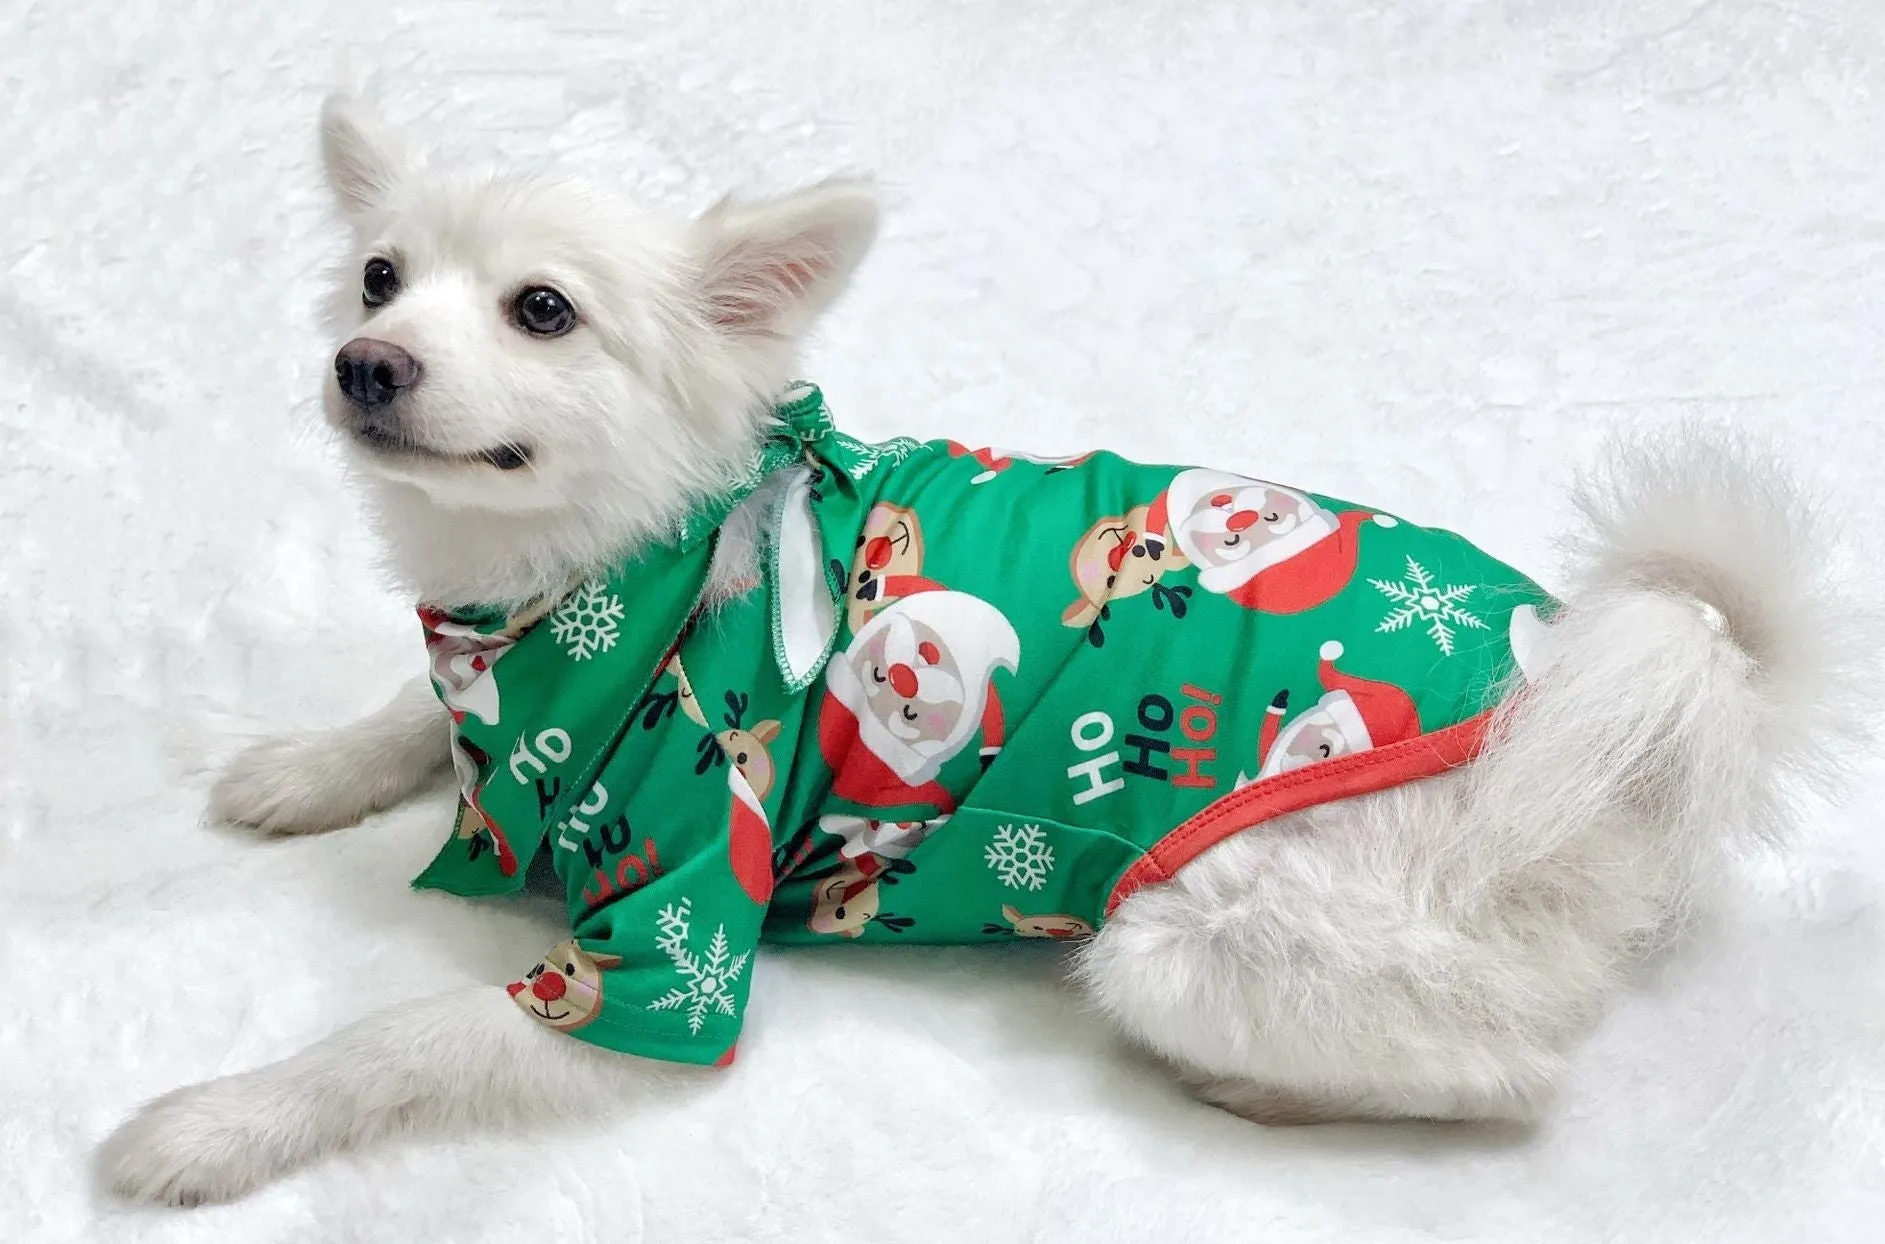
936,690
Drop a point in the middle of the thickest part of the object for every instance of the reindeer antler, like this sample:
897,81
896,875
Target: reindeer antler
1174,596
736,709
710,753
655,706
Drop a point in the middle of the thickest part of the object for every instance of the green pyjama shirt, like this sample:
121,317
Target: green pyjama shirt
973,696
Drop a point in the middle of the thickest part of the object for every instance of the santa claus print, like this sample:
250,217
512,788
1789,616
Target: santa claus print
462,658
1353,715
914,688
995,461
1269,548
891,840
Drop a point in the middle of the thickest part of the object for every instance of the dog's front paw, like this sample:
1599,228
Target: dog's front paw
209,1142
284,785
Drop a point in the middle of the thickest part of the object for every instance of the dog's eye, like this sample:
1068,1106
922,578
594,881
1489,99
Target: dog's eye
544,312
379,283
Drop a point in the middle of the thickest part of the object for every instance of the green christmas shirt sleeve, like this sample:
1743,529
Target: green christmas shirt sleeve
577,752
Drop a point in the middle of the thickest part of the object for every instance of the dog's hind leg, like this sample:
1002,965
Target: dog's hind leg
305,783
1318,967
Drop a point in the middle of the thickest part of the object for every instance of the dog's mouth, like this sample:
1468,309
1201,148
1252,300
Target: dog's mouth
508,456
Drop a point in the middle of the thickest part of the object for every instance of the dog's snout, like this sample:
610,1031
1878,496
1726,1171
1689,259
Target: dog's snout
372,372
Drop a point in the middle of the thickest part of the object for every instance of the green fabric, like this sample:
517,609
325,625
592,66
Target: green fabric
972,691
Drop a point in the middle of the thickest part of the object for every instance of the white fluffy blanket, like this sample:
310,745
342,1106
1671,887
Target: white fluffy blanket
1419,251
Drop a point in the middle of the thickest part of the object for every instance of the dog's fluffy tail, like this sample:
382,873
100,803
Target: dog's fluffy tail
1704,671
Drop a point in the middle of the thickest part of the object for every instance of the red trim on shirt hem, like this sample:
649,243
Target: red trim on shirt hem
1342,778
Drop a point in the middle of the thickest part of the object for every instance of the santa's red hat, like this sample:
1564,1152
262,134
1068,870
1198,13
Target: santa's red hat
1316,573
1369,714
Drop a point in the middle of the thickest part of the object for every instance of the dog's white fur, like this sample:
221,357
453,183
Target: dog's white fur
1428,951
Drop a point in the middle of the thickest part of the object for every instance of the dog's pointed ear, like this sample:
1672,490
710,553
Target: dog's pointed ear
364,156
768,268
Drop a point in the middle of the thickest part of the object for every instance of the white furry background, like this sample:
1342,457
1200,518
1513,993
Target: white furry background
1416,251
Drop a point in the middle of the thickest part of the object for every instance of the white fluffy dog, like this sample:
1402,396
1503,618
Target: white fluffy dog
576,371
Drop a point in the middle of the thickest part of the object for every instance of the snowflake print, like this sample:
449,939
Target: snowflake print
588,622
707,980
1020,856
1416,599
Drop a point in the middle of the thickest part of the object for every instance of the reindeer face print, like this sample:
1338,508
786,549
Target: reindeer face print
748,751
890,547
564,989
1228,525
844,903
1057,927
1114,560
911,682
746,747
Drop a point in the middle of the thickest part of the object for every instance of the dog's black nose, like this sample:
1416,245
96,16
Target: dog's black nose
372,372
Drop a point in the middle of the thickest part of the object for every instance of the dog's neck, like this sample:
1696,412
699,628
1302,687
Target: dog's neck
459,558
456,558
